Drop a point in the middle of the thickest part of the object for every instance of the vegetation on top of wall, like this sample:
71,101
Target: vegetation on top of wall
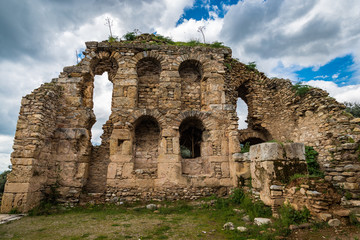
251,66
112,39
301,89
130,36
353,108
160,40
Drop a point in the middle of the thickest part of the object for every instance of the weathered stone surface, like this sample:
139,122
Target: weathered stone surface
228,226
241,229
163,97
334,222
325,217
262,221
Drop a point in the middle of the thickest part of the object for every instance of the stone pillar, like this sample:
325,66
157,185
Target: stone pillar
272,165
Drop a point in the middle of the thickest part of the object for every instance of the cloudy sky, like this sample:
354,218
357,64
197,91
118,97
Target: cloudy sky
315,41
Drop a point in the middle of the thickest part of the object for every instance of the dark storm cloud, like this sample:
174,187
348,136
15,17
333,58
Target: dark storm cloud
26,27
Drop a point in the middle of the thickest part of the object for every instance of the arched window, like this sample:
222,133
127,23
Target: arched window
102,105
147,137
148,71
191,130
242,107
190,72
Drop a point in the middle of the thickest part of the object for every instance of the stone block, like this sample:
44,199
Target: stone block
266,152
325,216
295,151
16,187
350,186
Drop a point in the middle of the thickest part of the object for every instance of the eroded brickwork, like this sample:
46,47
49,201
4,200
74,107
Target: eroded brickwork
172,132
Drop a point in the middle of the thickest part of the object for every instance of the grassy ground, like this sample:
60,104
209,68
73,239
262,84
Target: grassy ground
180,220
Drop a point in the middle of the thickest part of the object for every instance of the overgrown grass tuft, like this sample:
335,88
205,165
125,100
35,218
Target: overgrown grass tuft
301,89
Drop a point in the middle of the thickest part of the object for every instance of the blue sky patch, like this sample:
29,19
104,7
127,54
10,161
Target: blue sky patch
201,9
337,70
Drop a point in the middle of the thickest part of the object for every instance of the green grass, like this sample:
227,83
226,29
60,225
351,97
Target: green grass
203,219
301,89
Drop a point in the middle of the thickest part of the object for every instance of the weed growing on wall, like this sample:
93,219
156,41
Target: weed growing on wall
311,156
245,148
251,66
130,36
301,89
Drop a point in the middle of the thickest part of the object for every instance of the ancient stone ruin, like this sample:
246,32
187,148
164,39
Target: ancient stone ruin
173,133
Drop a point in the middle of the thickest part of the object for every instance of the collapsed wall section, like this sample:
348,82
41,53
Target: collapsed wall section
33,146
277,111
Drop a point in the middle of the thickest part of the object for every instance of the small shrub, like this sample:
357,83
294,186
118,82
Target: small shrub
3,177
130,36
251,66
217,44
348,196
311,156
354,219
288,215
228,66
245,148
300,89
113,39
298,175
167,40
237,196
14,211
353,108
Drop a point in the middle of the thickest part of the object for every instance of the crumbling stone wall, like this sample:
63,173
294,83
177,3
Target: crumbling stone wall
33,145
169,87
315,119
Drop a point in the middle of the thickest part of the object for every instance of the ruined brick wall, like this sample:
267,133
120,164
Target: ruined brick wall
31,158
172,132
315,119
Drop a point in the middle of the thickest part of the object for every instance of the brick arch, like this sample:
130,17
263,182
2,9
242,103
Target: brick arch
197,57
160,118
145,54
203,116
249,133
104,62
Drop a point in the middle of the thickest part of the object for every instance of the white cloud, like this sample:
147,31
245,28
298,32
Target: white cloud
242,113
303,33
335,76
348,93
6,143
281,36
102,105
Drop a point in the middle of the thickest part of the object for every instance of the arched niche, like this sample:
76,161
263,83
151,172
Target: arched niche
191,130
190,72
147,139
148,70
191,143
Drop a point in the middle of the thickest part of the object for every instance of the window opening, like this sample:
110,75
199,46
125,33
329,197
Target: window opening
190,138
242,113
102,95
